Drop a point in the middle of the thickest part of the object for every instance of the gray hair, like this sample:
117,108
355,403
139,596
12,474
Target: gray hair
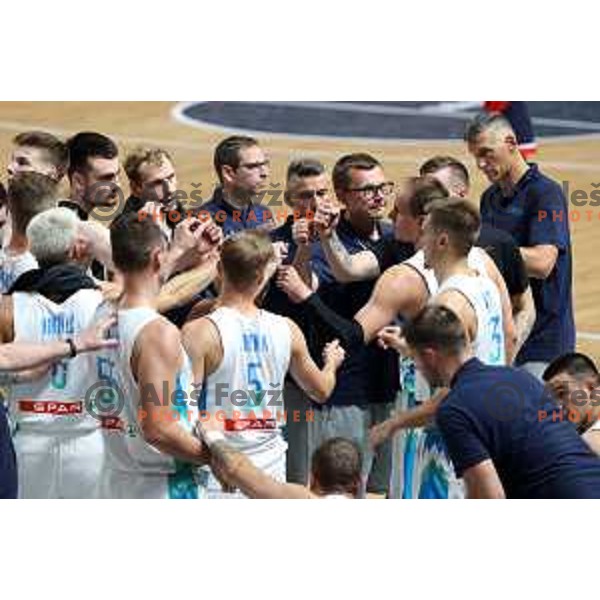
51,235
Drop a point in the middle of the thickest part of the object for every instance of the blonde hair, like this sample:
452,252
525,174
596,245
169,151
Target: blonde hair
144,156
245,257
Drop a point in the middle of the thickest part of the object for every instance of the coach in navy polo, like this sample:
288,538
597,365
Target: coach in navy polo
498,422
533,209
243,170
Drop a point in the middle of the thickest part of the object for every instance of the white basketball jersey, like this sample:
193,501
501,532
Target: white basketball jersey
483,296
247,388
417,262
12,266
56,402
477,262
126,449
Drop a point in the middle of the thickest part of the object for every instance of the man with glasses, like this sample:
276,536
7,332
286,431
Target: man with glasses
368,380
243,170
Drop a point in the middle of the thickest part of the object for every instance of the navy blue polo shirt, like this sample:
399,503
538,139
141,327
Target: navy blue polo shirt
537,214
369,374
8,463
233,220
493,413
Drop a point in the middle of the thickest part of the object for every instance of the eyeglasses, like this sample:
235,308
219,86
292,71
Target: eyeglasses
373,191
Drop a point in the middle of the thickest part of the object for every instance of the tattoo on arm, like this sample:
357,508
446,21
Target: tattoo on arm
340,252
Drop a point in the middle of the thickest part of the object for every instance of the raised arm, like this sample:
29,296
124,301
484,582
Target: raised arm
184,287
345,267
400,292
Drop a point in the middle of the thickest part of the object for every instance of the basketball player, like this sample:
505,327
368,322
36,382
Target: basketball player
93,162
335,472
20,361
450,230
39,152
29,194
58,444
149,403
242,354
499,244
153,184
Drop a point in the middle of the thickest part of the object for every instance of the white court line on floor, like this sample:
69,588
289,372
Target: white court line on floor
17,126
455,107
589,337
178,113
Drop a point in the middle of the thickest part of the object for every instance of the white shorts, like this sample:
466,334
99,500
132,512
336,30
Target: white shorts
58,465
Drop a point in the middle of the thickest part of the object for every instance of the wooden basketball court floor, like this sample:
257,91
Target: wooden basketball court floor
576,160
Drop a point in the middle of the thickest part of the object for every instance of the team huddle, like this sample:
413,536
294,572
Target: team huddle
366,338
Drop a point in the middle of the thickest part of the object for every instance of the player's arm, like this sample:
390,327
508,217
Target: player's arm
155,361
25,356
401,291
525,315
194,242
483,483
318,384
303,258
184,287
420,416
346,267
238,471
508,323
540,260
202,343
